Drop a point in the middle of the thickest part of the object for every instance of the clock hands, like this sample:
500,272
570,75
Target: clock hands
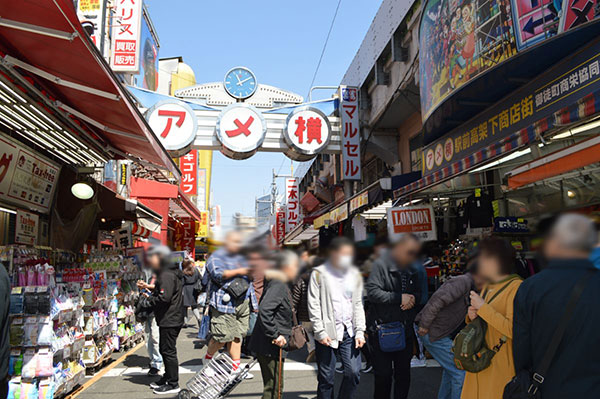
240,82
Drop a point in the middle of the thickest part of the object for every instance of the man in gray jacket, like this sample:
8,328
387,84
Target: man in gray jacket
336,312
438,322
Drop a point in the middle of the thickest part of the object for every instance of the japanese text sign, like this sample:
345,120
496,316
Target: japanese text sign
307,132
185,236
26,229
359,201
203,225
241,129
174,123
292,202
567,83
417,220
280,226
188,164
350,132
26,178
126,36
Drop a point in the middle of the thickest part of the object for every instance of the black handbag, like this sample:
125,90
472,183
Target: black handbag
526,385
298,336
238,288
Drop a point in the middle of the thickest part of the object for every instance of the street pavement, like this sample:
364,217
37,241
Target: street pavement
128,379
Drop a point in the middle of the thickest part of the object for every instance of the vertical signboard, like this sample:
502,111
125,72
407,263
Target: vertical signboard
280,226
125,42
292,218
26,229
203,225
185,236
92,16
147,78
189,173
350,132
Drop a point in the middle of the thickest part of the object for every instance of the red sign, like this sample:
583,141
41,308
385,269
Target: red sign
292,204
189,173
185,236
350,133
126,35
418,220
280,226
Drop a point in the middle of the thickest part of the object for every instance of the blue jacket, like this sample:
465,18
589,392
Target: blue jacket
539,304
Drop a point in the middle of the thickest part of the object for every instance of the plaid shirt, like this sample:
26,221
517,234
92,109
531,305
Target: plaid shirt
220,261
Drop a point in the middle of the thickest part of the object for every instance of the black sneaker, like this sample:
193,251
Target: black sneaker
167,389
153,371
159,383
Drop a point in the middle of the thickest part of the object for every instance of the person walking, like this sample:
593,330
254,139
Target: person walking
393,289
4,330
166,301
191,281
275,321
496,264
439,321
574,371
300,304
336,312
151,328
231,293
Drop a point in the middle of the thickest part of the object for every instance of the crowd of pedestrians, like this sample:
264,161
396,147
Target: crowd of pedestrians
383,315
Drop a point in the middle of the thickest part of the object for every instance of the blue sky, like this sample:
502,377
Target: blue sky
281,42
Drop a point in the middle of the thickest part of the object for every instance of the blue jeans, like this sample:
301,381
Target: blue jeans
326,358
452,378
152,336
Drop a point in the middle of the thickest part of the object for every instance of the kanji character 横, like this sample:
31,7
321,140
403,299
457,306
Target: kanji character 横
180,115
313,130
300,128
242,128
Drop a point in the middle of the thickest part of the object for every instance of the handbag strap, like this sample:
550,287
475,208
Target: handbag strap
294,318
538,377
505,286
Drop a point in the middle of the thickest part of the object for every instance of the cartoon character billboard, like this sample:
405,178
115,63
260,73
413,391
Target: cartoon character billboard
460,39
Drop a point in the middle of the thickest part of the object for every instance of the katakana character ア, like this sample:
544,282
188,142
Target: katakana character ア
313,130
180,115
242,128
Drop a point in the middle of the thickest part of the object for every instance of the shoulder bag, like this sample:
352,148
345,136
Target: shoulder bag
526,385
298,337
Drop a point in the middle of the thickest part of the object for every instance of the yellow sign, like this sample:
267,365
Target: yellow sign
339,214
203,225
321,221
359,201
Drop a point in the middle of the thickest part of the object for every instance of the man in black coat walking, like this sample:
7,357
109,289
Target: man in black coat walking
540,302
167,303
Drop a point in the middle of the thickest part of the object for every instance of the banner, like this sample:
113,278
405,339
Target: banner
126,32
359,201
185,236
188,164
203,225
280,226
292,202
350,132
339,214
26,229
418,220
27,179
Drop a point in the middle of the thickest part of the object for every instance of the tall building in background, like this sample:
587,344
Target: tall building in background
263,210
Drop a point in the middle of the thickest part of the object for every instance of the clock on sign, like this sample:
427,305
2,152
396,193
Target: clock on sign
240,83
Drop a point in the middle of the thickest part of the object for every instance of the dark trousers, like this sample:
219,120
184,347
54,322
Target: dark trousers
350,358
167,347
391,365
269,370
3,388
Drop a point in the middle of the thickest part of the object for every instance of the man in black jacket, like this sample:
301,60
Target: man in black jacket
167,303
540,303
393,289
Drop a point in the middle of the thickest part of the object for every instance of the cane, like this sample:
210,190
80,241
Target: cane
279,377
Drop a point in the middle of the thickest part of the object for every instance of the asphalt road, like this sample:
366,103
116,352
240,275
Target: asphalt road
128,379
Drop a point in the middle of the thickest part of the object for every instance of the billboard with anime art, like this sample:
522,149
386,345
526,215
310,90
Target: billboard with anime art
461,39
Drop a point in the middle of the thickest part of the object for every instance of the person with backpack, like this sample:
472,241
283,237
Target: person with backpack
439,321
192,281
562,299
492,314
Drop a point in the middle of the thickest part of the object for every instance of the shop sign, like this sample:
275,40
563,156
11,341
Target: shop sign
175,125
125,44
359,201
321,221
188,164
510,225
26,230
92,16
123,237
27,179
203,225
577,12
339,214
241,129
307,132
292,202
567,83
280,226
185,236
350,132
418,220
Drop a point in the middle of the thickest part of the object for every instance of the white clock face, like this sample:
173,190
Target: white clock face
240,83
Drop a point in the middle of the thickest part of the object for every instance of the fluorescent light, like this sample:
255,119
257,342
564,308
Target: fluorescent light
500,161
8,210
576,130
11,91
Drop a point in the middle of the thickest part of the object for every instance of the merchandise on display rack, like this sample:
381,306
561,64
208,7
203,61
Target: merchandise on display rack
68,313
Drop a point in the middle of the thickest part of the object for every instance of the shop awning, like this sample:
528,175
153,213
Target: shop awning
574,157
182,207
301,233
45,49
146,218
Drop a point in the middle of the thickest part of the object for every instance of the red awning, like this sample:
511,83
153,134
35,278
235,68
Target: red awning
45,39
573,157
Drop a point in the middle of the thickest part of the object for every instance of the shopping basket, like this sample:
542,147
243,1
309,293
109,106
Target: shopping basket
216,379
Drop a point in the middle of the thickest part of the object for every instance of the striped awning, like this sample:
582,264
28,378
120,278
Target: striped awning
140,231
583,108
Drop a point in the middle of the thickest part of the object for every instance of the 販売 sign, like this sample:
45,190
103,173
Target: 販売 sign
417,220
126,31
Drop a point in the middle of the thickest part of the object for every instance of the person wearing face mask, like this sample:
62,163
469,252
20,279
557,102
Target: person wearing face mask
336,312
393,289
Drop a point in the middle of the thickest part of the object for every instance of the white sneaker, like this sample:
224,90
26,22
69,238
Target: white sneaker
416,362
249,376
